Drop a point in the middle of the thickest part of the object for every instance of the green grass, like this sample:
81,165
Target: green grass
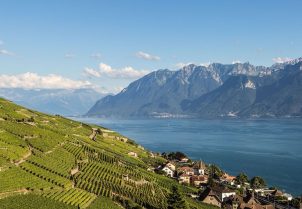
75,197
14,178
12,152
49,147
103,203
32,201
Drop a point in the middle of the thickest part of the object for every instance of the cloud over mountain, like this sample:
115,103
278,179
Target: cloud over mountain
34,81
105,70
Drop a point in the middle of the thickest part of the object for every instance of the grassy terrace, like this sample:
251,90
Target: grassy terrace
50,162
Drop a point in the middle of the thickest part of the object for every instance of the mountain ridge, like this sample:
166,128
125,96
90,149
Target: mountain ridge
166,92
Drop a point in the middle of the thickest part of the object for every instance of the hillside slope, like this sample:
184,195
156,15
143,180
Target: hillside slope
59,163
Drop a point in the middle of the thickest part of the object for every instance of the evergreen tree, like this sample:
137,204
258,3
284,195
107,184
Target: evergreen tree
242,178
175,200
257,182
215,171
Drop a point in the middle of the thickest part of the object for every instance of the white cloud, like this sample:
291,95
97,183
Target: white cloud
236,62
107,71
1,42
146,56
281,59
91,72
5,52
69,55
96,56
34,81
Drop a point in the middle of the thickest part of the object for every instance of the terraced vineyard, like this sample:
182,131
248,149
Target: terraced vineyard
54,161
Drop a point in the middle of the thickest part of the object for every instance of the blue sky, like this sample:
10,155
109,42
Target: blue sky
118,41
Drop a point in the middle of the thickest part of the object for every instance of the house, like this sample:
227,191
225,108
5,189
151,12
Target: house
210,197
184,160
276,193
124,139
168,171
228,179
184,179
132,154
171,166
186,170
289,197
223,192
265,192
168,168
199,168
250,202
198,180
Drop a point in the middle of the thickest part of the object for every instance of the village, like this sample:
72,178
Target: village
223,190
216,187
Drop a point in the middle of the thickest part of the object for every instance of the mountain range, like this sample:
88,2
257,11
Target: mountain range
216,90
69,102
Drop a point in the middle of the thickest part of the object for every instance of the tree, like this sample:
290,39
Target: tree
180,155
171,155
295,202
241,179
211,182
175,200
257,182
174,155
164,155
215,171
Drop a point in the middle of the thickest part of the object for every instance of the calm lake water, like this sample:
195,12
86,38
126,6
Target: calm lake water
268,148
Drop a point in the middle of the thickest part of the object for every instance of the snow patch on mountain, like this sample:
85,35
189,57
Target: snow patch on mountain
249,84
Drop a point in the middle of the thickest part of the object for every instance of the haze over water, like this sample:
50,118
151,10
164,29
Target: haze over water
268,148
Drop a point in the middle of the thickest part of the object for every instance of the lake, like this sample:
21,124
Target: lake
271,149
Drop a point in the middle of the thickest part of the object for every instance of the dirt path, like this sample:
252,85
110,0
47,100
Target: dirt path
20,191
93,134
23,159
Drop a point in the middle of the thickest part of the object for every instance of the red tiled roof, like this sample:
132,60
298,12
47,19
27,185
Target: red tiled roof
186,168
198,178
184,175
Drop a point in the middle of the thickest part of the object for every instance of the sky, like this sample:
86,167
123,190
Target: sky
108,44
